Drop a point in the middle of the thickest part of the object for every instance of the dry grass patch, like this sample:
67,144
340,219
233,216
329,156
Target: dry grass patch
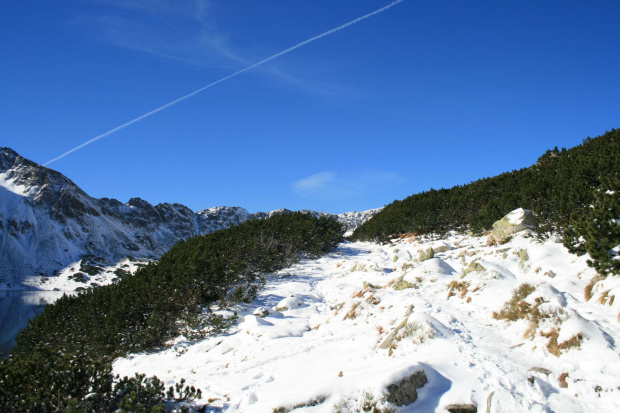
458,286
556,348
406,266
373,299
361,293
337,308
517,308
587,293
359,267
605,298
353,312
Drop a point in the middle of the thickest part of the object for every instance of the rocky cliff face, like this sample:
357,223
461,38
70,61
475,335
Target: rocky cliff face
47,223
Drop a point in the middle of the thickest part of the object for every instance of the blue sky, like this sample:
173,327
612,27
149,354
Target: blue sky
426,94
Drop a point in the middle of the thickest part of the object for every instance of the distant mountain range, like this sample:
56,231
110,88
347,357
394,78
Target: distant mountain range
47,223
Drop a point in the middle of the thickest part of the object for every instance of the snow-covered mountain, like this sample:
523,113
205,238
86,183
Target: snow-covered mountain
47,223
495,324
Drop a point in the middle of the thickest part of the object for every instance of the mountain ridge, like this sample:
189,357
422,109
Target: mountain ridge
47,223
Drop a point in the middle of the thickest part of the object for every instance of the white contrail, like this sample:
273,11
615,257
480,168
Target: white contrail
174,102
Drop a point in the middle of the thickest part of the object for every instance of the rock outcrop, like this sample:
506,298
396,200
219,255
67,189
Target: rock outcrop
516,221
406,391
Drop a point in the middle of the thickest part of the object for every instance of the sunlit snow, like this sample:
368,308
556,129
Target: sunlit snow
323,338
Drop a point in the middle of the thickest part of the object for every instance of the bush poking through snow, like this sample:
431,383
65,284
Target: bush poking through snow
353,312
417,332
516,308
460,286
180,394
310,403
556,348
587,293
364,402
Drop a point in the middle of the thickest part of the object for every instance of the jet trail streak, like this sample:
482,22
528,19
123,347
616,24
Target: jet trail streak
189,95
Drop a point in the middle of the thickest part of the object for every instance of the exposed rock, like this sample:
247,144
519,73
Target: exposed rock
518,220
402,284
261,312
441,246
550,274
462,408
37,201
541,370
366,285
78,277
406,391
473,266
389,340
426,254
121,273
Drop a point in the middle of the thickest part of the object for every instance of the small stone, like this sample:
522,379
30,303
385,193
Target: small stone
462,408
541,370
261,312
472,267
402,284
550,274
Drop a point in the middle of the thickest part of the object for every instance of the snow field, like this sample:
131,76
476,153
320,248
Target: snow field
336,330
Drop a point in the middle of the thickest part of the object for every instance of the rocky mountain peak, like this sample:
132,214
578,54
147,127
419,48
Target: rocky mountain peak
48,223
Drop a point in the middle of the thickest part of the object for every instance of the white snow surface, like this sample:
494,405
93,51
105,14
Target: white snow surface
326,344
517,216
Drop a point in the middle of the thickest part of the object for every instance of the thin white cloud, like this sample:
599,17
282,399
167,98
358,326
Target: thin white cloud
179,30
313,183
332,185
187,31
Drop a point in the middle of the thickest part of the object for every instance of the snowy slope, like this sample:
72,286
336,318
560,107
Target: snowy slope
49,227
327,337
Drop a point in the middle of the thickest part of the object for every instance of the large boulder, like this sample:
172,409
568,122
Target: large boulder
406,391
516,221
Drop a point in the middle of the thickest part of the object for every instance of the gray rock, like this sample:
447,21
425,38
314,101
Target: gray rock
541,370
406,391
518,220
473,267
462,408
426,254
261,312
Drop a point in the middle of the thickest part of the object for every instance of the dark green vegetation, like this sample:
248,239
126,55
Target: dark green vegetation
597,230
62,358
560,189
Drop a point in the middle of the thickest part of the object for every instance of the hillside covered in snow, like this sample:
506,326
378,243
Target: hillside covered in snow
55,236
452,300
494,327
